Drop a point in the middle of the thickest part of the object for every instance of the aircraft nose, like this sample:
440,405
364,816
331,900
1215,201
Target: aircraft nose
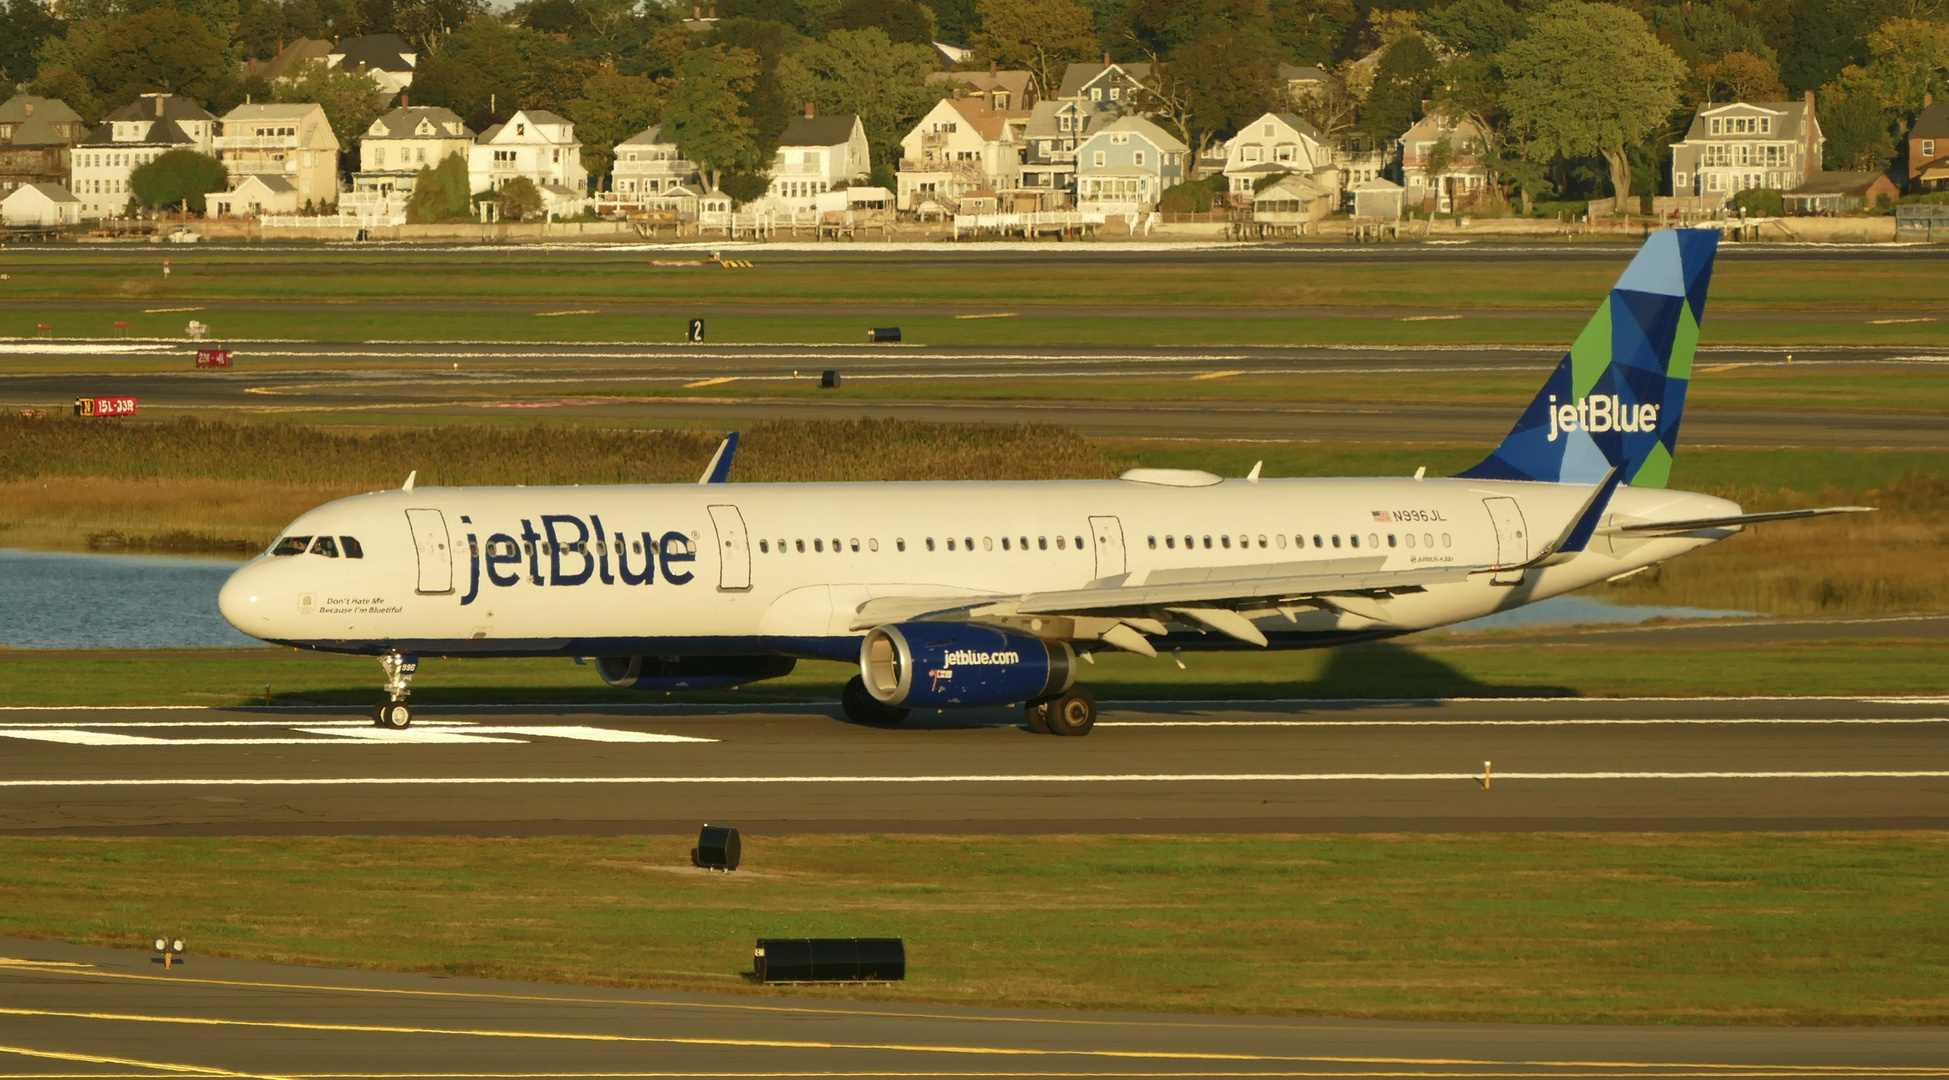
239,601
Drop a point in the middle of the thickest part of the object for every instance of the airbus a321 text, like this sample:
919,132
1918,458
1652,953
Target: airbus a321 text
980,594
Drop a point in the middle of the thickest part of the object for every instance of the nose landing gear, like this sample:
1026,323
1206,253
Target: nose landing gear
394,713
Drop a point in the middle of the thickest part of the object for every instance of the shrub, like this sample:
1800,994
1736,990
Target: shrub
1760,202
440,193
178,178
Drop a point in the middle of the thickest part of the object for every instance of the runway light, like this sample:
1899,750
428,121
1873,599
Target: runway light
718,848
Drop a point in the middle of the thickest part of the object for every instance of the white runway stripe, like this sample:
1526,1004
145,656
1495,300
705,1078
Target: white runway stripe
1598,722
998,778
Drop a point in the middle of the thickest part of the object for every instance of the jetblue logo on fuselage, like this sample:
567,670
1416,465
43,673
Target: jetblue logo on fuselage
1604,412
568,550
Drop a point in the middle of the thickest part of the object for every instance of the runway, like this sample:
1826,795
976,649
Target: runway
69,1010
1291,766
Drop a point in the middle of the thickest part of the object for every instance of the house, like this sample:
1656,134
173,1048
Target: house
289,63
40,205
1276,144
1107,83
1127,164
1294,200
258,194
1443,186
1302,82
961,146
1748,144
1378,198
131,136
817,153
648,163
386,58
1049,139
1842,193
1928,147
36,134
292,141
536,144
1005,91
404,141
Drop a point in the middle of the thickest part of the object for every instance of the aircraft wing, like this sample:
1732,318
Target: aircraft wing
1677,528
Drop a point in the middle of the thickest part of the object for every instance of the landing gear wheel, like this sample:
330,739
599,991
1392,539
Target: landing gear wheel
1071,713
863,708
396,715
1037,715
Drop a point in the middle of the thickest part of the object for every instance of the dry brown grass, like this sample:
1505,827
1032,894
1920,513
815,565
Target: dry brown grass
65,511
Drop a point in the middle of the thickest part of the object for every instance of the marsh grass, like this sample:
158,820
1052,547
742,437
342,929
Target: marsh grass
1718,928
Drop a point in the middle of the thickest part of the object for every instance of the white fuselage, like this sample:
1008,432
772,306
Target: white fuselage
784,568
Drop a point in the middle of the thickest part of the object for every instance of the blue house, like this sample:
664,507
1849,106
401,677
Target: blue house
1127,164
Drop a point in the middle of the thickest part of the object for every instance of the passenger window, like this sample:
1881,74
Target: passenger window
800,545
1262,542
1171,542
1410,539
325,546
853,543
1446,541
1336,539
1427,540
1282,541
1025,543
987,543
872,543
1244,541
1373,540
1207,542
636,546
818,545
968,542
1059,543
1353,540
1188,545
950,543
1225,541
352,548
930,543
835,546
1042,542
764,547
292,545
1316,541
1005,546
1079,543
1390,540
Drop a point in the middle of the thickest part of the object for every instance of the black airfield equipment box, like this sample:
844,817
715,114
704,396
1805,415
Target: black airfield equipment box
883,335
717,848
777,960
829,379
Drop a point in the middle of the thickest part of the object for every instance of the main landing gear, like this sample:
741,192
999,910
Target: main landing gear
1072,712
394,713
863,708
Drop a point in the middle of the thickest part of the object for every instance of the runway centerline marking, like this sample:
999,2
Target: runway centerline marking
996,778
1565,722
347,734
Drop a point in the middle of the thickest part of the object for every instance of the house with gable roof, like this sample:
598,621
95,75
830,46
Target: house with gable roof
962,146
292,141
1748,144
1277,144
1928,147
40,206
1108,83
1048,145
1444,186
1127,164
532,143
1008,90
131,136
815,154
404,141
648,164
386,59
36,134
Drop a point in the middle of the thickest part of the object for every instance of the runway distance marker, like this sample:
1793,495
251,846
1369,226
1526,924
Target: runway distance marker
1030,778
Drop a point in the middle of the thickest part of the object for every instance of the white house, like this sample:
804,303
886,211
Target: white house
961,146
538,145
1275,144
404,141
385,58
258,194
1460,181
648,163
292,141
132,136
1127,165
42,205
815,154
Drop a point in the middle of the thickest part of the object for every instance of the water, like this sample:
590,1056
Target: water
55,600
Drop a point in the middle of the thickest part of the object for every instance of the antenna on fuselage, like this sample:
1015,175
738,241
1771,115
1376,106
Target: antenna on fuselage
410,477
1253,476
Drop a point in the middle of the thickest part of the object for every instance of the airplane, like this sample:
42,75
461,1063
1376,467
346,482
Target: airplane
981,594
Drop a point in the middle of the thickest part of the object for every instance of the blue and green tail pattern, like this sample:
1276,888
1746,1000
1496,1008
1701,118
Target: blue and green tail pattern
1616,398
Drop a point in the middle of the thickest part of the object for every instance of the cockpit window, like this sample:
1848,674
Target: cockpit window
325,546
352,548
292,545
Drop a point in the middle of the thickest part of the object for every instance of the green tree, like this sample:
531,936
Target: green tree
1739,75
1911,58
768,104
440,192
479,67
1590,79
520,200
1043,36
904,21
1310,31
1483,27
25,25
178,178
861,71
102,65
1211,87
1402,81
350,99
1165,26
612,108
706,111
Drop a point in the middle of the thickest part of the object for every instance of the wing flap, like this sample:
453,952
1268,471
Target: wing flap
1676,528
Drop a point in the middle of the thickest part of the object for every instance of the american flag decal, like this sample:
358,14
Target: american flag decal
1383,515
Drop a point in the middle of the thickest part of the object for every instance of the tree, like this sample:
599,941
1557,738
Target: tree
904,21
1044,36
350,99
768,104
1737,76
1402,81
440,192
102,65
1483,27
1590,79
482,62
1166,26
178,178
706,111
1310,31
612,108
861,71
1212,86
1911,58
520,200
24,26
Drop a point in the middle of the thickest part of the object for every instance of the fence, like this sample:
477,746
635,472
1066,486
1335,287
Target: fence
1922,221
1029,224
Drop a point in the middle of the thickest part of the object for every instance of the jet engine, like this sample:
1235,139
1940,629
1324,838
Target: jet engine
945,665
689,672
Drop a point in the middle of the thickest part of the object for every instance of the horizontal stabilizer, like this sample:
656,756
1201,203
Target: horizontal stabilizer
1673,528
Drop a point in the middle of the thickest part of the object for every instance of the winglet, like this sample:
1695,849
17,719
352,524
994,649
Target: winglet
719,470
410,477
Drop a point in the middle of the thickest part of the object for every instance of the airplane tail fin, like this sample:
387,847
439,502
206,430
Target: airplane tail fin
1616,398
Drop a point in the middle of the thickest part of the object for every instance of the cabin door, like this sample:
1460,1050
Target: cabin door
733,549
1512,539
435,550
1108,534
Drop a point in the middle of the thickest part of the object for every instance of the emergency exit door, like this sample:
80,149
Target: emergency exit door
1512,539
435,550
733,549
1107,532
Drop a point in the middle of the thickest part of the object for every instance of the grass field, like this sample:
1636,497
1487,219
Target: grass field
1460,666
1607,928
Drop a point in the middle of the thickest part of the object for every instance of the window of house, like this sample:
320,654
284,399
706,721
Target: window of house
1099,158
1766,125
1096,93
1137,158
520,129
1120,138
1715,126
1928,148
1115,92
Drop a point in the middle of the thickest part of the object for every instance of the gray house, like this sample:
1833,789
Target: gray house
1748,144
1127,164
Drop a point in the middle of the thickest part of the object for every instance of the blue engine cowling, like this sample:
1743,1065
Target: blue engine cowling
945,665
689,672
